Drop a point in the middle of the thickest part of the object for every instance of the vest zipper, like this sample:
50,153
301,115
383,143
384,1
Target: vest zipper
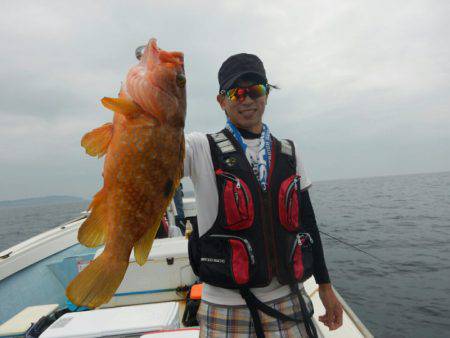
268,233
292,185
244,240
266,201
267,218
301,238
238,186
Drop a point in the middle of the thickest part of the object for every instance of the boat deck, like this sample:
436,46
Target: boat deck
37,271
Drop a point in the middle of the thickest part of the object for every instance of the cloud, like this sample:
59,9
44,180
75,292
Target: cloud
364,85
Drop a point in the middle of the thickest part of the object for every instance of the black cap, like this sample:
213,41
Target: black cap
240,64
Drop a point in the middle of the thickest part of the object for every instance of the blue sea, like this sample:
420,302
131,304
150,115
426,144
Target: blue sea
402,220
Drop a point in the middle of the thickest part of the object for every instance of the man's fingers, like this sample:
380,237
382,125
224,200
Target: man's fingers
325,319
336,321
338,314
333,326
339,317
332,320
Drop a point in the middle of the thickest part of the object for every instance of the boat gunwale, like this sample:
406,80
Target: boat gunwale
23,254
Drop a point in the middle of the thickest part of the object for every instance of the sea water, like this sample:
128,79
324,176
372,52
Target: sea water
402,220
405,222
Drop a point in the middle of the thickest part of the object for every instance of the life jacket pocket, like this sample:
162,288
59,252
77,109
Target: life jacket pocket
301,256
238,201
289,203
226,260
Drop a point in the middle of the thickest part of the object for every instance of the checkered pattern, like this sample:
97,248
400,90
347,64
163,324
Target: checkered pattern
235,321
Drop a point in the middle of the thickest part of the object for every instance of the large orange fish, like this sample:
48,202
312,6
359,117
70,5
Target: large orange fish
144,149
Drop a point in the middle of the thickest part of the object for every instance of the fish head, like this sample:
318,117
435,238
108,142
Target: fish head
158,85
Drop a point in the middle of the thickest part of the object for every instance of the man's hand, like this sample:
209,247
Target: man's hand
333,309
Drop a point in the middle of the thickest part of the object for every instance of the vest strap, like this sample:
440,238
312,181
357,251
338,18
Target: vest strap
218,137
254,304
309,325
286,148
223,143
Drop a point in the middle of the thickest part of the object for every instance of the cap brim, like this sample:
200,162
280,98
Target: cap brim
232,80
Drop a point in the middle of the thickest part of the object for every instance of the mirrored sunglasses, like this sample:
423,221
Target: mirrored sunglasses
239,94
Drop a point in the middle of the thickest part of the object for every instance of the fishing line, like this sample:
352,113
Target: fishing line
352,246
387,264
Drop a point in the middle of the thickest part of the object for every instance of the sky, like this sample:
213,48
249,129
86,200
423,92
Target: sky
364,85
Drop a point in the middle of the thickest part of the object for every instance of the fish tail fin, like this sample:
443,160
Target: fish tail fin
96,284
93,231
96,142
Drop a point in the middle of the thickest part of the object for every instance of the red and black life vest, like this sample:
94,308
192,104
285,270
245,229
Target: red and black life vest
257,234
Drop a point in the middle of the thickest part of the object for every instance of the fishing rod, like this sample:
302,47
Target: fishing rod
352,246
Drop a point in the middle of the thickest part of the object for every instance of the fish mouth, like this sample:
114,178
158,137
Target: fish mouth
154,53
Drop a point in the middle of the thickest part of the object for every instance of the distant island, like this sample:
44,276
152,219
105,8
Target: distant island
45,200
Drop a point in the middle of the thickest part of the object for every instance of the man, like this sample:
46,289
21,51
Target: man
257,236
178,200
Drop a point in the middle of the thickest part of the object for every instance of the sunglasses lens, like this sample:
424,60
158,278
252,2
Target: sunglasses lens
232,94
254,92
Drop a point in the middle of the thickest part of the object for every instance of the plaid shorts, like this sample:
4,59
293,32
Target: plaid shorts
218,321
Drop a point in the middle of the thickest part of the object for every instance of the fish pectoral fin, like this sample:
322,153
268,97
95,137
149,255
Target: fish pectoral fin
96,142
126,107
93,231
131,110
144,244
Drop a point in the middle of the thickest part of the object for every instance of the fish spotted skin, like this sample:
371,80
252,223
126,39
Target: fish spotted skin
144,147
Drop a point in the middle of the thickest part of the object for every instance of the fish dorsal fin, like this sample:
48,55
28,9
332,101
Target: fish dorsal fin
123,106
144,244
93,231
96,142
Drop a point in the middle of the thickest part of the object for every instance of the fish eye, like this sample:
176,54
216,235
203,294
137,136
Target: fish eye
181,80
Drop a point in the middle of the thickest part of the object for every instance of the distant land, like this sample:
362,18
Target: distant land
45,200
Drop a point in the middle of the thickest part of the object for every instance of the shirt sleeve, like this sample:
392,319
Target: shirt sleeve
308,219
197,156
188,155
305,182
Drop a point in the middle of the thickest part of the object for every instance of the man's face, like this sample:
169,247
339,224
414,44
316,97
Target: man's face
246,114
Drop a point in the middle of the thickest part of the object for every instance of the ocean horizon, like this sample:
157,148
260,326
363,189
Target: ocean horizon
57,198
